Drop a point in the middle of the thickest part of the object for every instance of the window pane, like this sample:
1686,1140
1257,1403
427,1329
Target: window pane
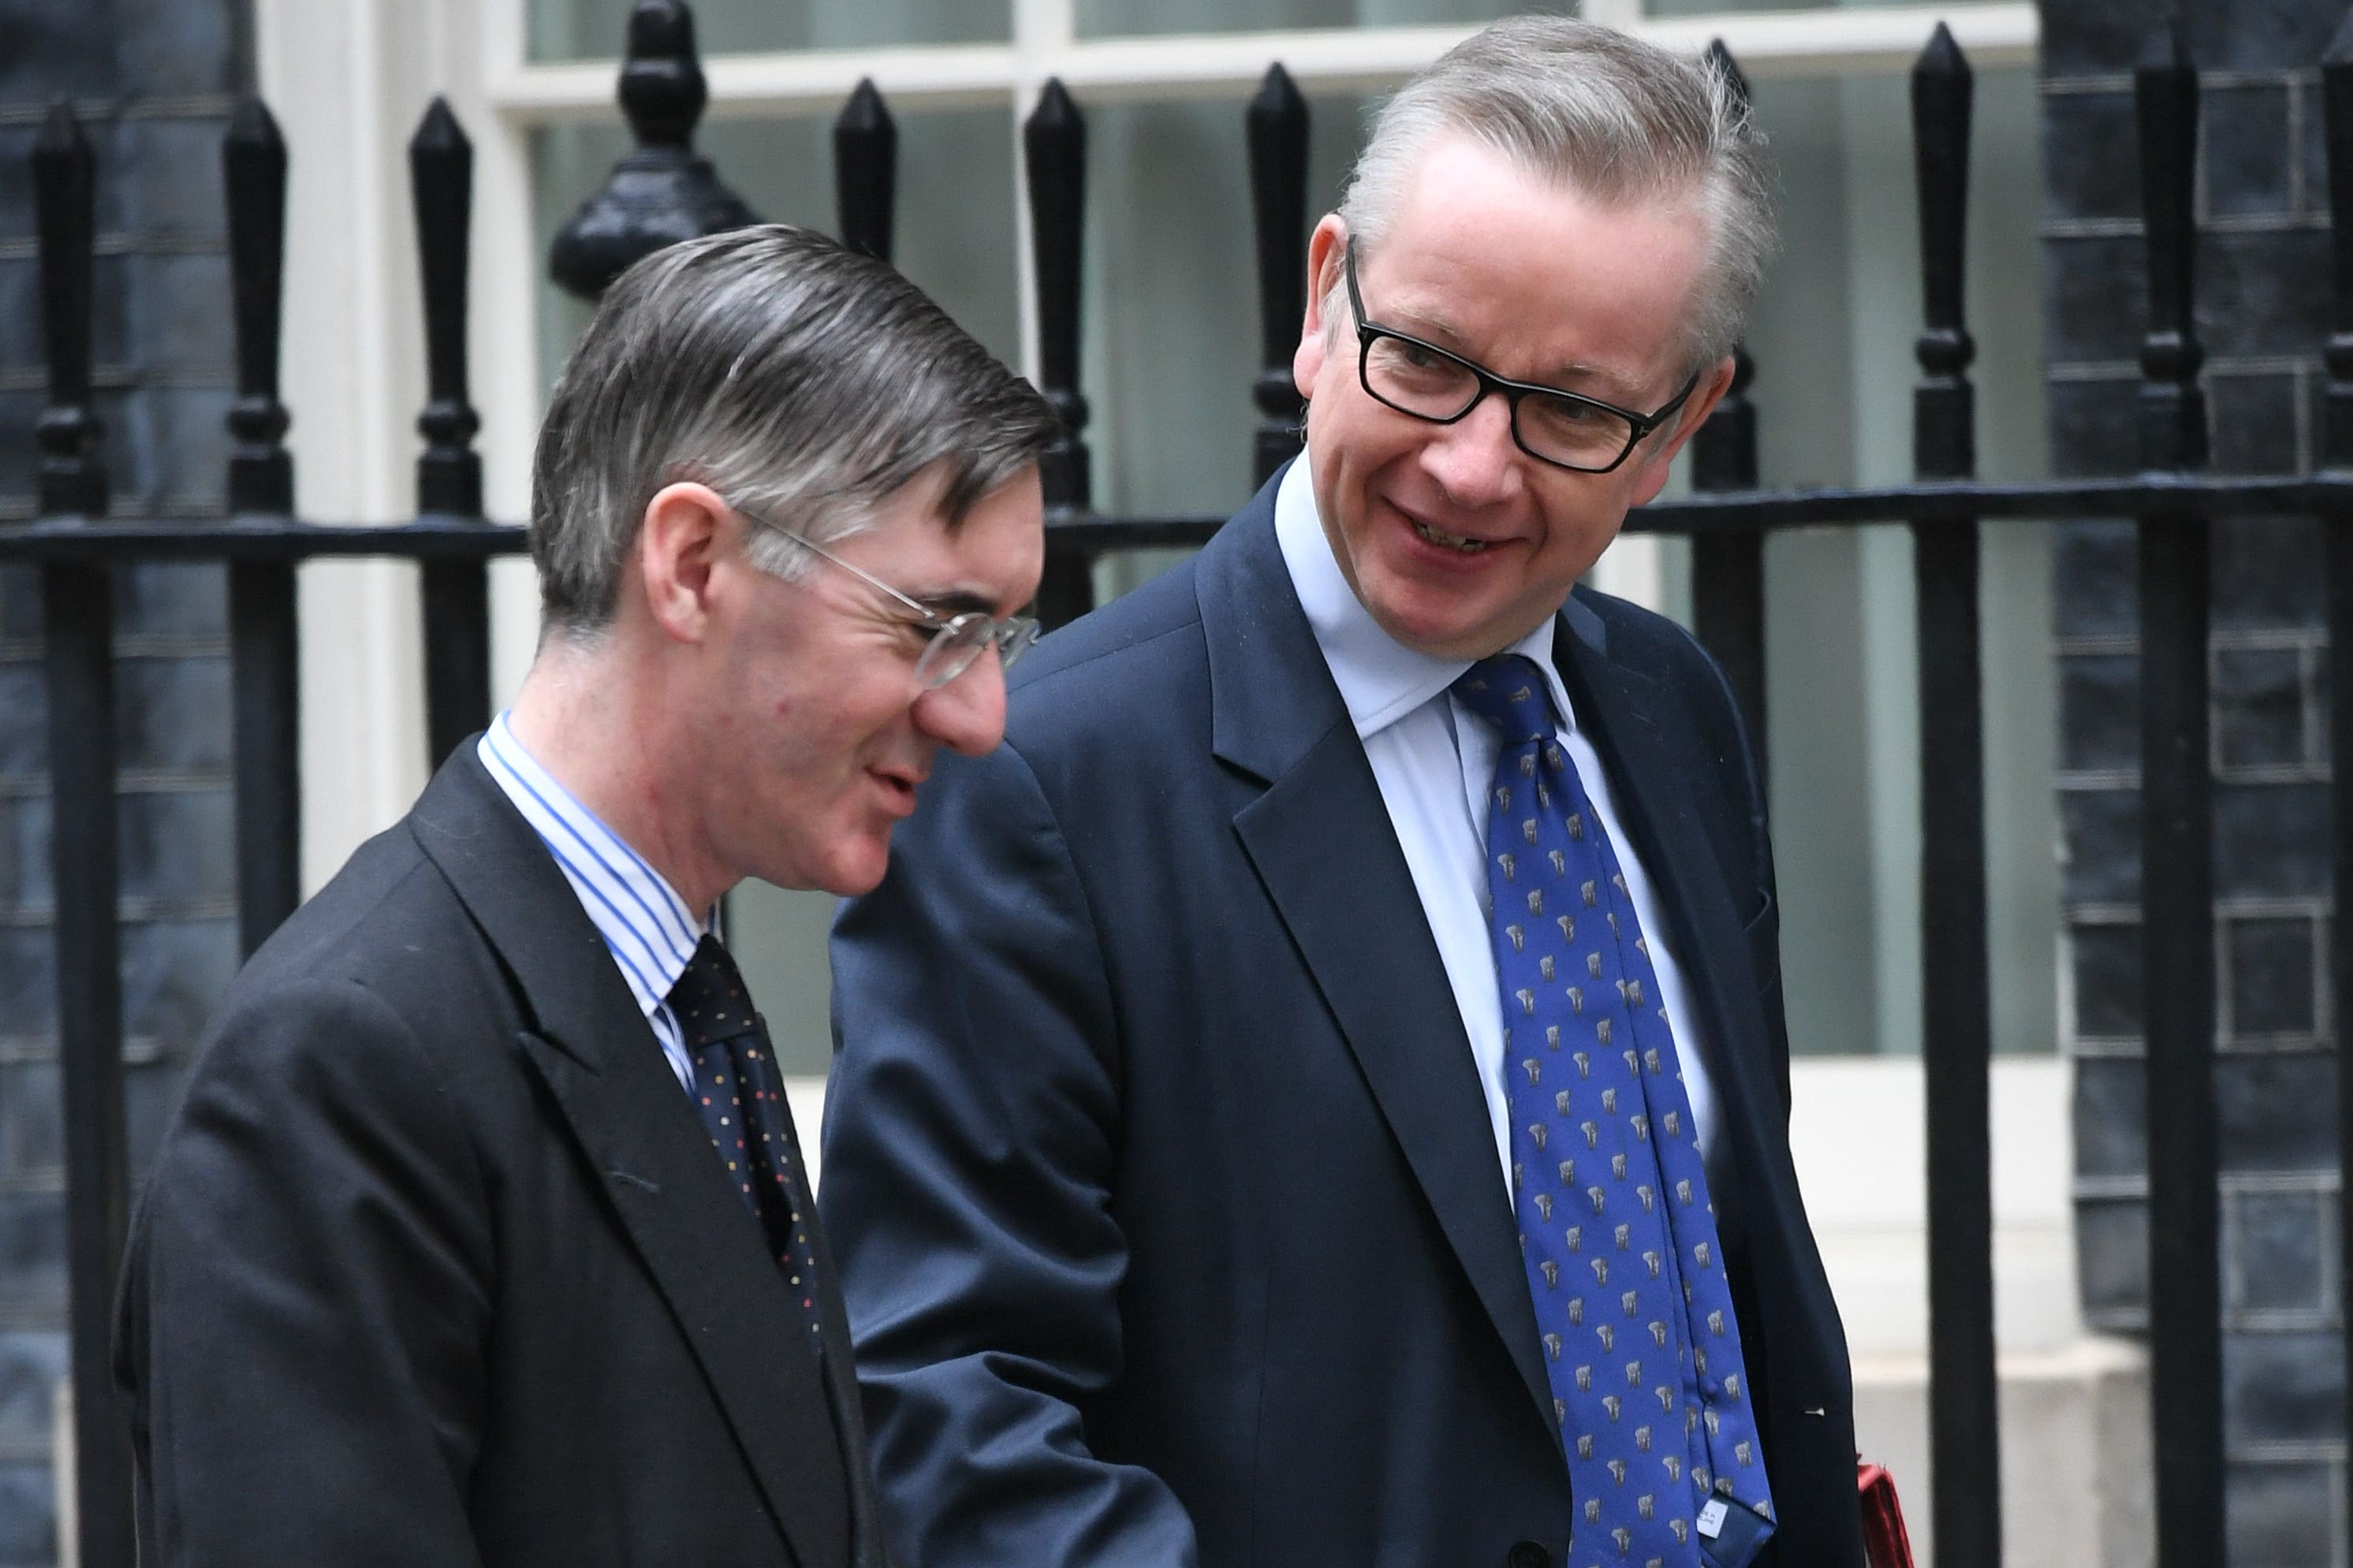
954,239
1132,18
596,29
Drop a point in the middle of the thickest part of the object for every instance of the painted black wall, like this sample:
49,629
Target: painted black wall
2262,291
152,80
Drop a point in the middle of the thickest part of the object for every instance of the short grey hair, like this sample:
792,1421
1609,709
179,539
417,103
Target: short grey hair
1618,119
801,381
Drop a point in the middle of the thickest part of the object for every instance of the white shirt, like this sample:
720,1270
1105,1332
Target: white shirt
646,925
1433,760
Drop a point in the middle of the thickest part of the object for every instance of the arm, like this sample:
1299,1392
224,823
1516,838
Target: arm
304,1300
970,1153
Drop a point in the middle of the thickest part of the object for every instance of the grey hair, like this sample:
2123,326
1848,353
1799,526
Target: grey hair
801,381
1618,119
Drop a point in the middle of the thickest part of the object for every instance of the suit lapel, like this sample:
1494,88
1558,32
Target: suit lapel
591,1046
1322,842
1631,720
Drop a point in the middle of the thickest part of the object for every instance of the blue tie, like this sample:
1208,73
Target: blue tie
1616,1233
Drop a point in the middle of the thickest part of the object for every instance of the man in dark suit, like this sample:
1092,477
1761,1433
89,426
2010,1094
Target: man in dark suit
482,1235
1318,1094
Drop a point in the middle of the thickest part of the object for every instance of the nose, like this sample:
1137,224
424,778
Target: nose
967,714
1474,459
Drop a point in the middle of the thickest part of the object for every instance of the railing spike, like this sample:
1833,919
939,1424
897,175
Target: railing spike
866,171
441,186
1054,143
253,162
2337,124
2165,95
64,192
663,192
1718,58
1944,438
1276,126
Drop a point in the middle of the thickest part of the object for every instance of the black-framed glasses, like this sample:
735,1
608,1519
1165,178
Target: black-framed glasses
957,641
1566,429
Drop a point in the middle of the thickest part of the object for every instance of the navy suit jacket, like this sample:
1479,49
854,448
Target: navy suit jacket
1166,1197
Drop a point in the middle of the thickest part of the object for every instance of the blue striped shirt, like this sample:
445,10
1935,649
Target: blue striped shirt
646,925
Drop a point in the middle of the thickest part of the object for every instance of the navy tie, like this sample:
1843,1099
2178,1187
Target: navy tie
742,1098
1618,1236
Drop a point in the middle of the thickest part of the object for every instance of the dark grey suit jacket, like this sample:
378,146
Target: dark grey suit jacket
1167,1199
436,1264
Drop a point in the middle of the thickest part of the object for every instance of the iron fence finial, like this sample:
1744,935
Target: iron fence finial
1276,128
866,171
73,472
253,166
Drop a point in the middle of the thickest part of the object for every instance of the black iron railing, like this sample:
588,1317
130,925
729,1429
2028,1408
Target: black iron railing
663,191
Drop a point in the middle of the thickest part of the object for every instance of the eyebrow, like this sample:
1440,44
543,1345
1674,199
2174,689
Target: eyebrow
1616,387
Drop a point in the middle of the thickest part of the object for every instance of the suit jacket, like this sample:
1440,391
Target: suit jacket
1170,1217
436,1264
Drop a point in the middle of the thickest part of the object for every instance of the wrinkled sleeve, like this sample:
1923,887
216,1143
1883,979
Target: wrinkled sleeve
971,1138
305,1296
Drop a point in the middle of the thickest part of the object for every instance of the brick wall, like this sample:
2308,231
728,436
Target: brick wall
151,79
2261,291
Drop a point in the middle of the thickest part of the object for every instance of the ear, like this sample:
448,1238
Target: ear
1324,248
1659,456
680,541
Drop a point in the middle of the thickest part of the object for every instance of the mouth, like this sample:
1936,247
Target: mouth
1461,543
899,791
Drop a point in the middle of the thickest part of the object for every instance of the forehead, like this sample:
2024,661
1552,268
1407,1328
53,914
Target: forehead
1533,276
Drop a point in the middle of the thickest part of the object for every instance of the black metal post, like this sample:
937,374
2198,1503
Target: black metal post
1729,567
2176,851
2336,454
263,674
866,171
449,472
662,192
1276,126
1957,1023
77,609
1054,149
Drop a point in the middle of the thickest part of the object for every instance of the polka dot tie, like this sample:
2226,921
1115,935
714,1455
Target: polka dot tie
742,1098
1617,1234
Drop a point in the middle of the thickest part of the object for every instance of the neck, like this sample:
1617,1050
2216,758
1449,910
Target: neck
602,723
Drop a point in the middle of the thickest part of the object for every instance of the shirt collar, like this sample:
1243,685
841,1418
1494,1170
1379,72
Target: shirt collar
1380,678
648,928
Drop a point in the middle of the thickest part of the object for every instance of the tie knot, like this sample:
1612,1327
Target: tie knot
1509,692
710,1001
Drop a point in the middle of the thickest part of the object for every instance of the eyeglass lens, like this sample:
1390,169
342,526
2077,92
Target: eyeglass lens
1419,381
955,646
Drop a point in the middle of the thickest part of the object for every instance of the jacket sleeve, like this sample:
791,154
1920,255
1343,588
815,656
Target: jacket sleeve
971,1140
304,1299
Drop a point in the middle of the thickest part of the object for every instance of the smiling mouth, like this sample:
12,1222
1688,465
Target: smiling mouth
1461,544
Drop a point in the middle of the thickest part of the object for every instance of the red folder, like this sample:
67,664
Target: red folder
1884,1539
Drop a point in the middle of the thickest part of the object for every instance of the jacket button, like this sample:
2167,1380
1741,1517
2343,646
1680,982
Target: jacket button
1527,1555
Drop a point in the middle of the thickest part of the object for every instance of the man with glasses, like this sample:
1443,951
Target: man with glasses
483,1235
1317,1095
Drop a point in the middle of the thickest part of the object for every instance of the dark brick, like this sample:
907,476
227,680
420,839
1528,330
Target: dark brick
2277,1112
24,726
19,455
180,322
2252,418
2107,972
2111,1117
166,179
2096,297
2092,37
2259,708
173,972
157,599
33,1251
2263,293
25,866
2280,1516
2100,834
31,1361
2283,1388
178,847
2095,428
2272,983
2099,713
2257,35
2268,573
2095,566
49,51
2271,1251
2269,840
28,1513
170,50
20,602
23,346
32,1118
16,212
172,714
2245,130
2112,1254
2091,156
27,980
